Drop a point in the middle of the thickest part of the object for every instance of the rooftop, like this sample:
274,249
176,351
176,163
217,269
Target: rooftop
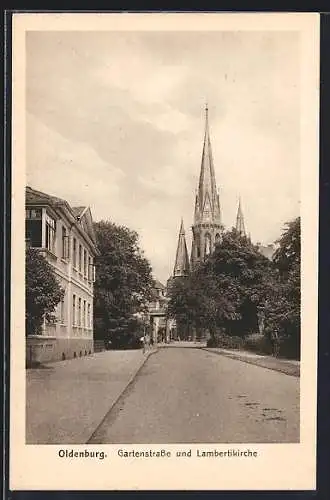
38,197
158,285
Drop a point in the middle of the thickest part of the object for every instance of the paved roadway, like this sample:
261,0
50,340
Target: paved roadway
187,395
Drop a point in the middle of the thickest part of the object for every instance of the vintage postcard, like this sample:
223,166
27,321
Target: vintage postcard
164,251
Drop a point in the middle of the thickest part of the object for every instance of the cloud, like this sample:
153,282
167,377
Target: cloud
119,116
71,170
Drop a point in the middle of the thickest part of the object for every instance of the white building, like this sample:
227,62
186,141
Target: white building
65,236
158,313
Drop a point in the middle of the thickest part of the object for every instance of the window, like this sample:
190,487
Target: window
88,316
85,263
50,233
33,233
198,246
89,269
80,258
84,314
79,311
207,209
33,213
74,251
74,310
207,244
33,227
65,253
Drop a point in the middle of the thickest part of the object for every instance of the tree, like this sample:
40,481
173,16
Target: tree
282,310
42,291
287,255
236,283
223,293
243,274
123,281
179,306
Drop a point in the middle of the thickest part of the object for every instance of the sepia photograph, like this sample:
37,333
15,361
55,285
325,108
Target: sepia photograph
164,237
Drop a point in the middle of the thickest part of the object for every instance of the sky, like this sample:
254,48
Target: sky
115,121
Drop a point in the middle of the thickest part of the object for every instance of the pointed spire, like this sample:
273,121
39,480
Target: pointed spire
181,267
196,216
182,231
207,199
206,118
240,226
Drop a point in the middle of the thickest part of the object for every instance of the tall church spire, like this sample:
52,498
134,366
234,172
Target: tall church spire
207,207
207,218
240,226
181,267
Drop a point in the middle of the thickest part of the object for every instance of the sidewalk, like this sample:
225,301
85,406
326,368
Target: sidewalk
184,343
287,366
67,400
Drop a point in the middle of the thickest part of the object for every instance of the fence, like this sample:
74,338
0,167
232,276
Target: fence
99,345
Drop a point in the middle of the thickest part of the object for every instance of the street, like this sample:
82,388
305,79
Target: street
190,395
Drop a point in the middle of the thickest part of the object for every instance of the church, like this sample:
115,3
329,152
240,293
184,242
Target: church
207,227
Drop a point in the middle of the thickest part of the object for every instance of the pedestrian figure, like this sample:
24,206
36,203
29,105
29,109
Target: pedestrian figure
146,342
276,342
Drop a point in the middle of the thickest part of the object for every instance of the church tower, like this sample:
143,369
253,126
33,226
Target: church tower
207,225
181,266
240,226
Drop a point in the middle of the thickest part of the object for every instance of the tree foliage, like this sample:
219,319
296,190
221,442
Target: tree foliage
123,280
42,291
287,255
282,310
236,283
225,290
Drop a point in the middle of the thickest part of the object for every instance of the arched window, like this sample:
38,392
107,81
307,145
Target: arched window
198,247
217,238
207,244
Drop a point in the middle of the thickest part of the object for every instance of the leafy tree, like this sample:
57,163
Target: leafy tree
242,274
236,282
123,281
42,291
180,304
287,255
225,290
282,309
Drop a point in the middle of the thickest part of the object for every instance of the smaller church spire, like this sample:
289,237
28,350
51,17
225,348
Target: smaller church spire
181,267
240,226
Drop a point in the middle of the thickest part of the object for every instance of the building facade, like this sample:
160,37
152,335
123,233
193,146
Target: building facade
65,236
158,313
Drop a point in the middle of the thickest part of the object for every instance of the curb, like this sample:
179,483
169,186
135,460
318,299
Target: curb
251,362
130,381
